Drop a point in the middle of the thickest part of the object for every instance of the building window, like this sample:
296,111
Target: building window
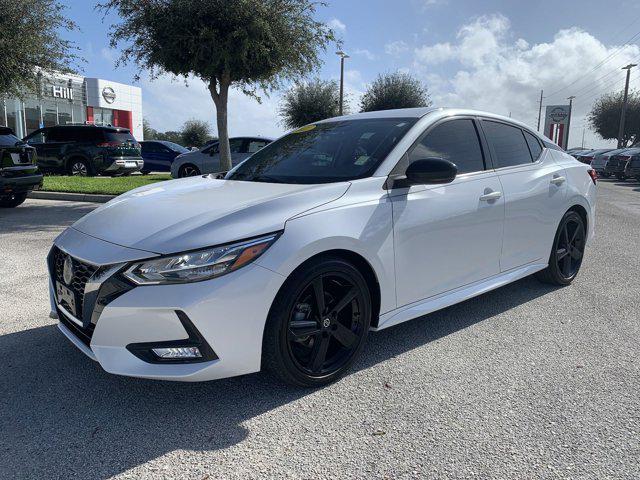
79,113
64,113
49,113
32,118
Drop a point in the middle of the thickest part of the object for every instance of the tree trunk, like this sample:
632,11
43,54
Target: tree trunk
220,97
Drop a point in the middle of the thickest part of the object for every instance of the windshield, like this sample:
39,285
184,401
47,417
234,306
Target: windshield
8,140
325,152
176,148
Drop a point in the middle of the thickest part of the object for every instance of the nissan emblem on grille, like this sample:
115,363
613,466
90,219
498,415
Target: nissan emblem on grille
67,270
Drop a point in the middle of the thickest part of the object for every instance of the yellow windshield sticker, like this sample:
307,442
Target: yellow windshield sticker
306,128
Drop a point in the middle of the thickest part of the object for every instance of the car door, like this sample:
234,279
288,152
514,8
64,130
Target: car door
447,236
534,188
151,154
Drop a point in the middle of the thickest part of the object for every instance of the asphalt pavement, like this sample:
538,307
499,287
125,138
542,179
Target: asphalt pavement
528,381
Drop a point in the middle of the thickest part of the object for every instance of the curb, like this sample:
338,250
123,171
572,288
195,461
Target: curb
71,197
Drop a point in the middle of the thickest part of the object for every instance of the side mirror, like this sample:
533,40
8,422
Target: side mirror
430,171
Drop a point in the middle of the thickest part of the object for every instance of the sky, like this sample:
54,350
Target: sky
493,55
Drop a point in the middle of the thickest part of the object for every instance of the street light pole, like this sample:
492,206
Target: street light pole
569,120
624,103
540,108
342,56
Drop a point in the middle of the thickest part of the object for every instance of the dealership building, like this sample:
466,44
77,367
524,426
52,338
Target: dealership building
71,99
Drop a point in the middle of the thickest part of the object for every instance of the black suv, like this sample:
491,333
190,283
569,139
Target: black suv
86,150
18,170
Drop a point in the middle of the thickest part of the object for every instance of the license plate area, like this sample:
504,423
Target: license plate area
130,164
66,298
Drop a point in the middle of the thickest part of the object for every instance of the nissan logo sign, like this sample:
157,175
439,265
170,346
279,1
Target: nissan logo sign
108,94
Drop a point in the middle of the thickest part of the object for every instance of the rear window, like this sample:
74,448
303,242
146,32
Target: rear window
120,137
534,146
8,140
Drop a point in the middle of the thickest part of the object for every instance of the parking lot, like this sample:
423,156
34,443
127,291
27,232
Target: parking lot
529,381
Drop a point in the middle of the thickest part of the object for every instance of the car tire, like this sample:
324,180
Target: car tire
79,167
13,201
567,252
302,347
188,170
145,172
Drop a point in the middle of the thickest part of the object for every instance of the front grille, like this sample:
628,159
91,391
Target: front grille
83,333
82,272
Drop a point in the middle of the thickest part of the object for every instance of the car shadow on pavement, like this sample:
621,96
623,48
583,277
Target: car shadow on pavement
42,216
62,416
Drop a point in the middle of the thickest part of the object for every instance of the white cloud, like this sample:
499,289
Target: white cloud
365,53
396,48
168,103
502,75
108,54
337,25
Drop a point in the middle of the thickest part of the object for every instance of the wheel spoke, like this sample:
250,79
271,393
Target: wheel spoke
344,301
566,265
345,336
565,234
576,254
303,328
561,253
318,290
319,353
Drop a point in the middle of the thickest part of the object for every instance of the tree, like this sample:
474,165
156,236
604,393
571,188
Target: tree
604,118
395,90
308,102
195,133
30,44
149,132
250,44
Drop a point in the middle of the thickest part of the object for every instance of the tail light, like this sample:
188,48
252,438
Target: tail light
594,176
109,144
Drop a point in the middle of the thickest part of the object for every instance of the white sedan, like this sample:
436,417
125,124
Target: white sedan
347,225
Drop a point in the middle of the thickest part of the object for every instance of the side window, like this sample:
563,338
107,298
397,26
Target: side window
534,145
508,143
456,141
67,134
36,137
236,145
255,145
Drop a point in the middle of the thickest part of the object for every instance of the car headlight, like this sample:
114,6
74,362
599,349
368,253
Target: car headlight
200,264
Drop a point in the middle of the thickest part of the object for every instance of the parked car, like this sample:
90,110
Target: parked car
86,150
158,155
617,163
632,170
587,157
207,160
576,151
343,226
599,162
19,172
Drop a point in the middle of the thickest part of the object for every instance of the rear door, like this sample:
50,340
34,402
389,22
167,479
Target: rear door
447,236
37,140
534,188
152,154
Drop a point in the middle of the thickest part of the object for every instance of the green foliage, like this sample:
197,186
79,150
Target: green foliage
99,185
195,133
604,118
30,42
250,44
395,90
308,102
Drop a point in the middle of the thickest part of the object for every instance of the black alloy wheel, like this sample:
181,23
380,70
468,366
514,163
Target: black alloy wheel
318,324
188,170
568,251
79,168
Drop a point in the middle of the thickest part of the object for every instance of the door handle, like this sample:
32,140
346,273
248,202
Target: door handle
487,197
557,180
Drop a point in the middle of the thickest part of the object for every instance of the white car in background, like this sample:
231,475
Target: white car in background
347,225
207,159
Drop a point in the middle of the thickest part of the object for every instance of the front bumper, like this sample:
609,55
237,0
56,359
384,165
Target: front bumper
229,313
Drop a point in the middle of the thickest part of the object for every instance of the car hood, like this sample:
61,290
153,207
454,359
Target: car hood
197,212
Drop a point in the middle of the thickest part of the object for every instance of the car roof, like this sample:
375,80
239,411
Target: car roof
6,131
422,111
102,127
